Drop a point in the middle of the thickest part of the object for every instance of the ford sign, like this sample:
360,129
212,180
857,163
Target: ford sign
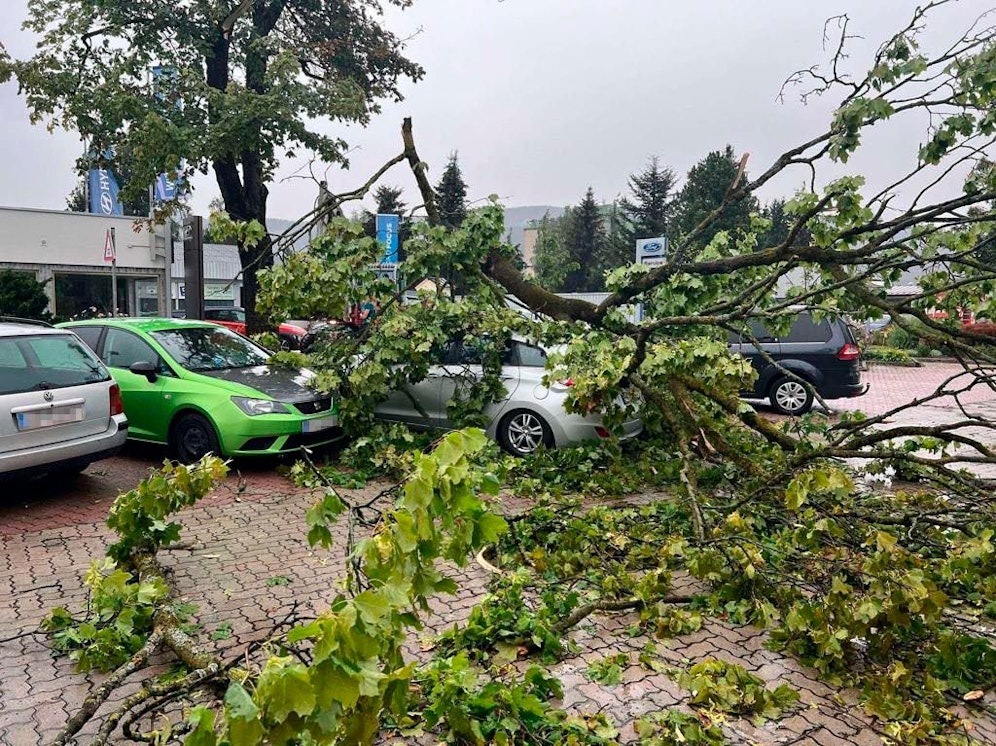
653,247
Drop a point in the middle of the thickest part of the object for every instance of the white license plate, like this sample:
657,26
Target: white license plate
322,423
49,417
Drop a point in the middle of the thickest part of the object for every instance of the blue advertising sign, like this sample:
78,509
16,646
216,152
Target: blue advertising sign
165,188
387,234
104,193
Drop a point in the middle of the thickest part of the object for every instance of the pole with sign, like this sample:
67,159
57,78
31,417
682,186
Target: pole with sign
388,228
652,251
111,255
193,266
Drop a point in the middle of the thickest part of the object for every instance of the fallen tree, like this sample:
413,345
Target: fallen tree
888,591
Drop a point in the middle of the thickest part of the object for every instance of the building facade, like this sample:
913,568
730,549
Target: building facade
65,250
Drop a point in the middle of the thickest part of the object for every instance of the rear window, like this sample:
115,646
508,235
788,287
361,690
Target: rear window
807,329
50,361
531,356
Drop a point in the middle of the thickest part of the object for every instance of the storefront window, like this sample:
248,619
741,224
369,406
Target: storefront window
88,295
147,295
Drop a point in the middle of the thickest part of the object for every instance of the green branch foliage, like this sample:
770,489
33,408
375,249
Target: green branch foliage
357,672
121,605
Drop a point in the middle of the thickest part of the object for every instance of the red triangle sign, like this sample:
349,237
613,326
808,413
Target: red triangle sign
109,253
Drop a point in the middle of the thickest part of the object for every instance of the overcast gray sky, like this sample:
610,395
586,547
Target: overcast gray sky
542,98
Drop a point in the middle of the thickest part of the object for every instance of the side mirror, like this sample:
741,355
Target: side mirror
144,368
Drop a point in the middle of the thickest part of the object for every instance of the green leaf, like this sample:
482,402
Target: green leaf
238,703
490,527
372,606
333,685
203,731
284,688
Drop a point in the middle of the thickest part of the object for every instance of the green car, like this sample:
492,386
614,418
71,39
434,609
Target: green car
201,388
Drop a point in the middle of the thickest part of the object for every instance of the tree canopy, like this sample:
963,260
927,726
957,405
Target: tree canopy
211,85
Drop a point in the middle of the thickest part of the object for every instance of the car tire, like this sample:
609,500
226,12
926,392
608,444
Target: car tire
522,432
193,437
790,396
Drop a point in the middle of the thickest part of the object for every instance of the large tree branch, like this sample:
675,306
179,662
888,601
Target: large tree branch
419,170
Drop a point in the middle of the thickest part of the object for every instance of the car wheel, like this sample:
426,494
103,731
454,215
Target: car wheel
192,438
522,432
791,397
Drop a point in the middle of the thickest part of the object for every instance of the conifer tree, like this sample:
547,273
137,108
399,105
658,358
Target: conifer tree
586,243
451,195
705,187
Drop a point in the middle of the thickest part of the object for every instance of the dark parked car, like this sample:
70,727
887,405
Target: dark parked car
820,355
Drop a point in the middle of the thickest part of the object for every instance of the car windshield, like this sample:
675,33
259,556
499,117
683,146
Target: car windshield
207,348
50,361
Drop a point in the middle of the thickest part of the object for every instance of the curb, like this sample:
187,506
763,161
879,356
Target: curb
915,363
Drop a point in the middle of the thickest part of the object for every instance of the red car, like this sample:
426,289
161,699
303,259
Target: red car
235,319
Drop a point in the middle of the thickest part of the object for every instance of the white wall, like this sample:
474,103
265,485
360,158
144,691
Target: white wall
53,238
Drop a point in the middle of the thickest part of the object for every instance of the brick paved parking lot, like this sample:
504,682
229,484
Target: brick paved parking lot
246,562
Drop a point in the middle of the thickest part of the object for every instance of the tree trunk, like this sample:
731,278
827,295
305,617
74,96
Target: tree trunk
245,194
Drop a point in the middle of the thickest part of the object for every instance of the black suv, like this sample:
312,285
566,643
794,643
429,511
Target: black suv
823,354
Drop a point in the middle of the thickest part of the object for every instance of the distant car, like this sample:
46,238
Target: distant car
822,356
60,409
201,388
235,319
530,417
321,332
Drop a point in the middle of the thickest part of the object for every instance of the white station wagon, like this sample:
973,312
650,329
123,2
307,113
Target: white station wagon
60,410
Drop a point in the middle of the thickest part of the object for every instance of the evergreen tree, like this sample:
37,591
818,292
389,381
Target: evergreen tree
22,296
781,226
646,213
649,211
705,187
586,243
451,195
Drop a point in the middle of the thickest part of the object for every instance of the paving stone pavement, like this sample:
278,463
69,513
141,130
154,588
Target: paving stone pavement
246,563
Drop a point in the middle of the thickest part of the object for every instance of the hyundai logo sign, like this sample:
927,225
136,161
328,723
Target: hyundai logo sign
654,247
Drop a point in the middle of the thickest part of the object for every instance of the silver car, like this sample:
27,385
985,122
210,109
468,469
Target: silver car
60,409
532,414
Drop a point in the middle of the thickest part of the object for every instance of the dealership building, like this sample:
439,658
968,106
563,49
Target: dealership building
66,251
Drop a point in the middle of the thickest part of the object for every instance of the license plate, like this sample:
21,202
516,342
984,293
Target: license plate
322,423
49,417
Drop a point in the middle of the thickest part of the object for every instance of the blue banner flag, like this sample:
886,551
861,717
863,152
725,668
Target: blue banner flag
104,193
165,187
387,234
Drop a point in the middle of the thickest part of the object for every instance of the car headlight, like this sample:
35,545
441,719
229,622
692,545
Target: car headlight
252,407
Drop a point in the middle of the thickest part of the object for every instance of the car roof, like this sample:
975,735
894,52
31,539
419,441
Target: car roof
20,329
143,324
